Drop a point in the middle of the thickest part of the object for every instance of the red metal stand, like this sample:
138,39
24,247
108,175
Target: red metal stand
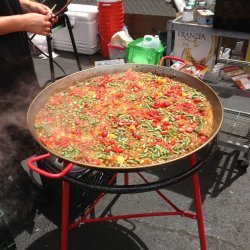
198,205
199,212
197,199
66,226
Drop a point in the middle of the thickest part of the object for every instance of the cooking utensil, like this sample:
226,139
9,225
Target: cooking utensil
59,6
191,81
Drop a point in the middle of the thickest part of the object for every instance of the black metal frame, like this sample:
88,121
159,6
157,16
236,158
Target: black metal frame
90,179
64,18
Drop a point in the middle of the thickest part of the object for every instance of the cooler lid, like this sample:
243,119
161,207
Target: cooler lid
82,11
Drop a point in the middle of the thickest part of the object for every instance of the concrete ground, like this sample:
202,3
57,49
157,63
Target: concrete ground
224,189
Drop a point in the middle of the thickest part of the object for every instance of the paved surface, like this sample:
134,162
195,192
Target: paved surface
225,196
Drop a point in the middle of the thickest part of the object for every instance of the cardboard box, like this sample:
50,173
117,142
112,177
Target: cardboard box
205,17
196,48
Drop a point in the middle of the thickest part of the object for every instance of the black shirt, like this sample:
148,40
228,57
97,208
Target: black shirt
16,64
17,89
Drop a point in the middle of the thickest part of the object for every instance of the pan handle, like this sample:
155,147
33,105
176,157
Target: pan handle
67,168
174,58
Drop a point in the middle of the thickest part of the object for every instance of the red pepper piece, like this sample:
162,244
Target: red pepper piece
119,95
197,100
136,135
165,104
164,132
156,105
114,149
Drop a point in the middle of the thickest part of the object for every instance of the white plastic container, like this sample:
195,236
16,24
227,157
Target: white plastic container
188,14
83,19
89,10
149,41
157,42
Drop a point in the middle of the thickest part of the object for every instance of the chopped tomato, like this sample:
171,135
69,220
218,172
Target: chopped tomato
181,123
177,117
164,127
189,129
77,121
165,104
181,130
203,138
104,134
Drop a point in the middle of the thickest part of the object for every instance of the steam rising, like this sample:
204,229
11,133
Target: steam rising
16,192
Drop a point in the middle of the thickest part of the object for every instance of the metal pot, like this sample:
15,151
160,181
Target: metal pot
191,81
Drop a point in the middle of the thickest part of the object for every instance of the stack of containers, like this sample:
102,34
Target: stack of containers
110,21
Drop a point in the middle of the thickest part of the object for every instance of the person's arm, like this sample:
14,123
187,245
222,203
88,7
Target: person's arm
31,22
30,6
34,7
38,19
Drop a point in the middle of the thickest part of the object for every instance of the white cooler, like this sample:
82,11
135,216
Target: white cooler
83,19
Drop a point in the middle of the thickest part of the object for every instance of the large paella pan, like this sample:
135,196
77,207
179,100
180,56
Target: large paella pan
157,135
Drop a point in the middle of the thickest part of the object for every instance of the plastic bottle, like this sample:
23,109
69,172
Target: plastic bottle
211,4
157,42
152,42
202,5
147,41
188,14
191,3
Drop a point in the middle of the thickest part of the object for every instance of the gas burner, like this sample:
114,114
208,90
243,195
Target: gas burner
81,197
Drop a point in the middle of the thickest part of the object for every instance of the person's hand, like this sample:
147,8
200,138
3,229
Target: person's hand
37,23
53,19
30,6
